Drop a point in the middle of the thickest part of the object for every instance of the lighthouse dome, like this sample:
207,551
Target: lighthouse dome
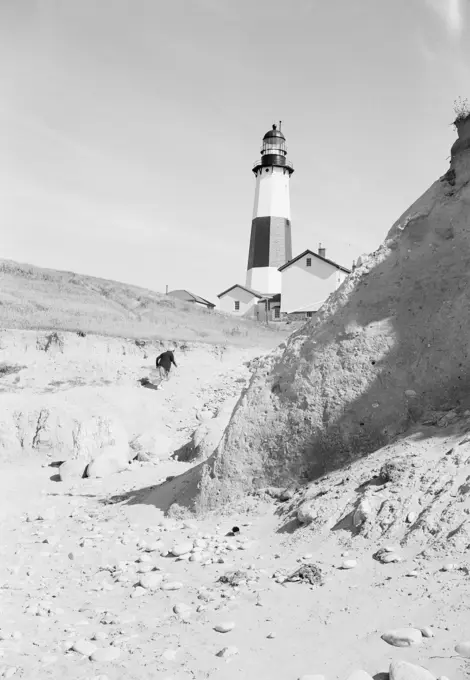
274,132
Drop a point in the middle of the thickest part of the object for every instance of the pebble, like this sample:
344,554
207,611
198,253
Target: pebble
349,564
391,557
402,670
169,654
84,647
171,585
106,654
225,627
181,549
411,517
463,648
427,632
151,581
138,591
271,636
449,567
183,610
403,637
47,516
154,547
51,540
360,675
227,652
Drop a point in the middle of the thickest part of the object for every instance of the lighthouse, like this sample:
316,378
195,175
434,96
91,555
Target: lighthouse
270,242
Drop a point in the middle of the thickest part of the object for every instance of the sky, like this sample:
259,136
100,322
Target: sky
128,128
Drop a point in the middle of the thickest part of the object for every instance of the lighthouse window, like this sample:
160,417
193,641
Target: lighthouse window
267,170
309,262
237,305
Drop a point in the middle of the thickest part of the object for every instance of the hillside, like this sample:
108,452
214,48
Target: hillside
35,298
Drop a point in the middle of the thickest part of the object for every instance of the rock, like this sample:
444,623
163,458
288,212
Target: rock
463,649
48,515
151,581
156,546
205,415
227,652
391,557
403,637
449,567
109,460
362,512
427,632
307,512
181,549
183,610
349,564
411,517
139,591
171,585
402,670
84,647
72,469
360,675
155,444
106,654
271,636
169,654
225,627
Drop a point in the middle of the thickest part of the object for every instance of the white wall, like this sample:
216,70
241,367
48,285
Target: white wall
247,302
264,280
272,193
308,287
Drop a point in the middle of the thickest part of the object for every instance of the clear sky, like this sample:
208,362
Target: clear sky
128,128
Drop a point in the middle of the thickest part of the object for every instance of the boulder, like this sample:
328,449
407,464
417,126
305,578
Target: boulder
72,469
402,670
109,460
153,444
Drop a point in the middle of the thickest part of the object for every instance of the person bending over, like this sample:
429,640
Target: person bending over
164,362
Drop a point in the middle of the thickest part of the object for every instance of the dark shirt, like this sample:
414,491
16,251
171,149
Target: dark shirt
165,360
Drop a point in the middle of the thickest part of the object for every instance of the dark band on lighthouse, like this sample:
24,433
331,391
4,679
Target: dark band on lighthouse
270,242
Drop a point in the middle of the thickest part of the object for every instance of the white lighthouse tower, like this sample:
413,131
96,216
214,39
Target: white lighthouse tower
271,242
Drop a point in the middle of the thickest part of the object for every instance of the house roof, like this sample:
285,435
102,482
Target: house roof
319,257
190,297
237,285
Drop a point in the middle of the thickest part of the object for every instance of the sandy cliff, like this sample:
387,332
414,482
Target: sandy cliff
389,346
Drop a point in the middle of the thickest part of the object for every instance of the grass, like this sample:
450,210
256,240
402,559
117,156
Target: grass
33,298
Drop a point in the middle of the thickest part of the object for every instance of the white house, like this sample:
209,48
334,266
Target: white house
239,300
307,281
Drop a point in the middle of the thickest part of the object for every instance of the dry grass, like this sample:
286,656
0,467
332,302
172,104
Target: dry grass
36,298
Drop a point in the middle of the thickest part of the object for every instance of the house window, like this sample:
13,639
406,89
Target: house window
237,305
309,315
309,261
277,312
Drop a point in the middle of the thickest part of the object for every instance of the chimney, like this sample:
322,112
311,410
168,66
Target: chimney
166,290
321,251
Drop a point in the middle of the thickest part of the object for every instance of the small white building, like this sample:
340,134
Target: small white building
187,296
307,281
239,300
